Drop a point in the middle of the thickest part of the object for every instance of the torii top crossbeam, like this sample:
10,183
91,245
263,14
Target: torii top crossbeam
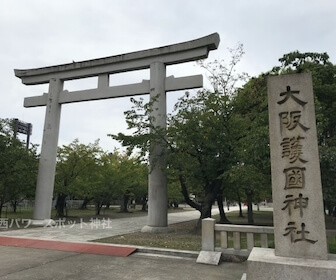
171,54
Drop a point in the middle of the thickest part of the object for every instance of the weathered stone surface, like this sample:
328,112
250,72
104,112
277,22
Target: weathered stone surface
171,54
208,234
263,264
150,229
208,257
299,225
157,179
47,163
156,59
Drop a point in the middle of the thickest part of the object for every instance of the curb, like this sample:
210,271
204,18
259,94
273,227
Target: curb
167,252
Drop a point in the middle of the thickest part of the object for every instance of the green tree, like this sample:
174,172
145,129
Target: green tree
198,135
200,147
250,104
132,180
252,144
108,181
324,85
174,190
118,177
77,164
23,185
92,185
328,171
17,167
140,184
251,181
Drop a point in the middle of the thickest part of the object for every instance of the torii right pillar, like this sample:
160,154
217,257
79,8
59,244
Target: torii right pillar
157,179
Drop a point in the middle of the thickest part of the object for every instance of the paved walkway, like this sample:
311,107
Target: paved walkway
28,263
39,264
99,228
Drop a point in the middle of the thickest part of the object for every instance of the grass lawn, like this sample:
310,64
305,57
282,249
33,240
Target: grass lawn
185,237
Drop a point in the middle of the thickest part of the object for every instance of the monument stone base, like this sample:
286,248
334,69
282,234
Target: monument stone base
208,257
263,264
150,229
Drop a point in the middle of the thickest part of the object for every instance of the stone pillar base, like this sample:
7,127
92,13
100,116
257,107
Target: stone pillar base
263,264
43,223
150,229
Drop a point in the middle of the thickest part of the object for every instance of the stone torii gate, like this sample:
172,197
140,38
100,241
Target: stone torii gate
156,60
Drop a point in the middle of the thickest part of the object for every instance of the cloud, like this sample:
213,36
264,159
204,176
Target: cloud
39,33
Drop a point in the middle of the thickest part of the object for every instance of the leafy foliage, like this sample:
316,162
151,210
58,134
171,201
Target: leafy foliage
18,167
324,84
86,172
76,172
198,136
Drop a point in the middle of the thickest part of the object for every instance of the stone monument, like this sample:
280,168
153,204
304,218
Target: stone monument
299,226
156,60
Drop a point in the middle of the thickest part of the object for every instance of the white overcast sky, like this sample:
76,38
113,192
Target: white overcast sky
39,33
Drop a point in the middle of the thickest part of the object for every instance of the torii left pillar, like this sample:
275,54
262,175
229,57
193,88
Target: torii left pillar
47,166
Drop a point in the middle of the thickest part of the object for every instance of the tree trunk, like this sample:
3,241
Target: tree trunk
3,199
98,207
327,208
14,205
185,194
249,195
207,205
85,203
205,210
240,210
60,205
1,205
124,203
144,203
223,218
240,206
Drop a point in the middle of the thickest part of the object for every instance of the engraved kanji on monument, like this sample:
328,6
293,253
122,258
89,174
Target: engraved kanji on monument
299,224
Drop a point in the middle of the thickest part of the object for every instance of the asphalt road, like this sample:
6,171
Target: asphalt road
28,263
